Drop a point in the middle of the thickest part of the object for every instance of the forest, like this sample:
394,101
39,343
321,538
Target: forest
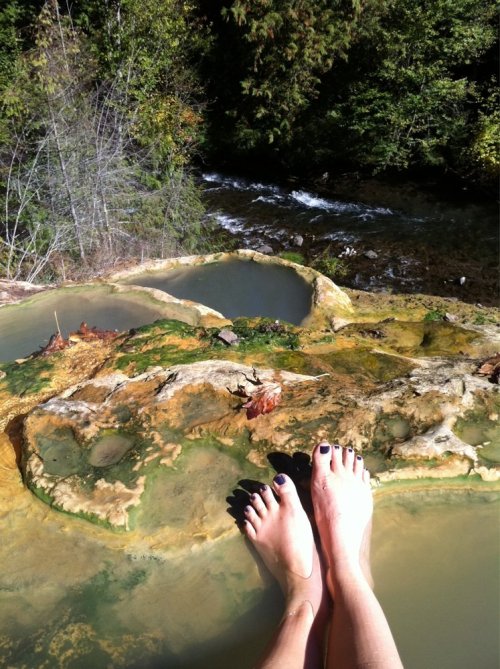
109,107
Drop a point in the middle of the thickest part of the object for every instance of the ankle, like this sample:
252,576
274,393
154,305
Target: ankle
300,608
344,576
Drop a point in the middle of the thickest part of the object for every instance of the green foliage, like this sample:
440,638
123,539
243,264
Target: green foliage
289,45
413,102
147,45
293,256
434,315
98,142
483,155
330,265
377,85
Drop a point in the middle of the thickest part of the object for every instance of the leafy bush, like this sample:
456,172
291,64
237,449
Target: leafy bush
331,266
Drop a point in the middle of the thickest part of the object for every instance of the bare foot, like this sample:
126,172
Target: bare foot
283,537
343,507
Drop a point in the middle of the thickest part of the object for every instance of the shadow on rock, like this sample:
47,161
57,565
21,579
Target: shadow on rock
297,466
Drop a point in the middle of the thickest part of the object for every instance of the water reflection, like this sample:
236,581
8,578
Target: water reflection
26,327
237,288
80,596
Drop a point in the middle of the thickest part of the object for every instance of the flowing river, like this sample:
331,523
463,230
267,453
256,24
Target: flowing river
421,244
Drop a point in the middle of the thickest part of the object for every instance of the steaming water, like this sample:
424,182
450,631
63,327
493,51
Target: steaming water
237,288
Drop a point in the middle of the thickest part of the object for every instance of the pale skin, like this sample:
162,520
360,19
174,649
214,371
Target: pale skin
356,630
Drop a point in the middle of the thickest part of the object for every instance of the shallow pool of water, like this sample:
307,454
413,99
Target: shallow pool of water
27,326
436,574
237,288
78,597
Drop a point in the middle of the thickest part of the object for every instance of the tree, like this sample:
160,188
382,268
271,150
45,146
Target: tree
344,84
83,187
411,90
289,46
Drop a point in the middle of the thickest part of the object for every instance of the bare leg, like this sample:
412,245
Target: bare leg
343,506
282,535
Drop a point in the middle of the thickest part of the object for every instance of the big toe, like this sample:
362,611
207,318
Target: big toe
286,490
322,459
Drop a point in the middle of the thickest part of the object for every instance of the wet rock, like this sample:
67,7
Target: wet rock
228,337
265,249
90,459
435,443
491,368
373,333
297,240
490,475
450,318
371,255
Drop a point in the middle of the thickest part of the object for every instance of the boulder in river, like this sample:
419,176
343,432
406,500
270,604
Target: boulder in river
265,249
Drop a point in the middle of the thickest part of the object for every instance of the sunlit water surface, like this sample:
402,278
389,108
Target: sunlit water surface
73,599
237,288
424,245
26,327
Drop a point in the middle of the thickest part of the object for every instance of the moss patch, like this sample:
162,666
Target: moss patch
27,378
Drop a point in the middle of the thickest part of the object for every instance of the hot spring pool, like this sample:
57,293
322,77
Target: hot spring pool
26,326
237,288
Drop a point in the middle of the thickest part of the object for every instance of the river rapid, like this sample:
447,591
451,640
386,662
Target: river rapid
397,238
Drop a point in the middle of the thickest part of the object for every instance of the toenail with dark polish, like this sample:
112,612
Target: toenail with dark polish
337,447
253,496
279,479
263,488
324,448
248,509
358,457
350,450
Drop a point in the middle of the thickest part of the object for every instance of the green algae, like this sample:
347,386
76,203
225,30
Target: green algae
480,427
27,378
61,453
185,496
158,343
366,364
430,339
390,428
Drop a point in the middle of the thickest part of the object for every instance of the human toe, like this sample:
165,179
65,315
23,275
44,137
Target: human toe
258,504
348,459
322,457
337,458
358,466
268,498
252,517
249,530
286,490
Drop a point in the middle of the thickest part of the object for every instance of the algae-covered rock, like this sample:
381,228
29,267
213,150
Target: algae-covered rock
119,448
95,449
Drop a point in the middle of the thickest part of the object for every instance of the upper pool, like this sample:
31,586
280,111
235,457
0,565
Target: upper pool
237,288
